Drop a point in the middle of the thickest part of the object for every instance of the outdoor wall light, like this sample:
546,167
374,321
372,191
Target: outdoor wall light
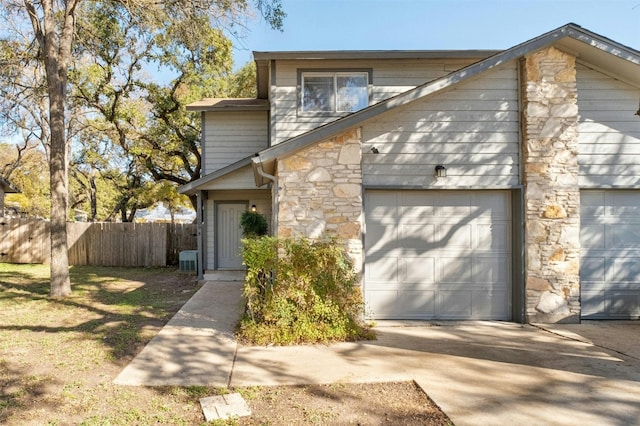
374,150
441,171
254,208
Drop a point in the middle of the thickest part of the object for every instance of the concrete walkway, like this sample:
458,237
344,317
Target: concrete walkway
479,373
196,347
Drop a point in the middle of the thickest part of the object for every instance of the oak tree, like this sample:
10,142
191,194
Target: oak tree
46,32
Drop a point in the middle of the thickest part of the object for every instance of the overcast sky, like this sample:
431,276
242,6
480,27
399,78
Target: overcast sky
435,24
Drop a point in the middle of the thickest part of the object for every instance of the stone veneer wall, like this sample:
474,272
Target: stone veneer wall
320,193
551,191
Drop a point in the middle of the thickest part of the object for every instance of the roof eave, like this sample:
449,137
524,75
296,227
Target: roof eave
7,187
372,54
229,104
334,128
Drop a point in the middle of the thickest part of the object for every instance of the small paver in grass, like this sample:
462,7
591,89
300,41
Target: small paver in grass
222,407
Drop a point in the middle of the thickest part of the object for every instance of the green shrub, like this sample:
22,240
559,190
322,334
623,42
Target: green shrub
253,224
299,291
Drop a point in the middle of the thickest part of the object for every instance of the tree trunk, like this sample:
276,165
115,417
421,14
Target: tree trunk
60,281
123,212
55,43
132,214
93,197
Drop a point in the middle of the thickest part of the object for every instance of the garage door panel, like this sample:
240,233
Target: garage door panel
418,269
493,237
491,305
412,213
455,237
624,303
489,270
382,205
594,233
396,304
412,206
384,269
610,304
592,270
380,237
457,270
625,270
623,236
630,211
592,303
451,258
454,304
382,303
494,206
416,238
610,254
418,303
592,203
623,204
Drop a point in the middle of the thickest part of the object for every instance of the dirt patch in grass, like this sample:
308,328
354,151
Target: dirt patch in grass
399,403
58,359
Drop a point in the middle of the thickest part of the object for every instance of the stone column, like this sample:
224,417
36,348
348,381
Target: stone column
320,193
551,191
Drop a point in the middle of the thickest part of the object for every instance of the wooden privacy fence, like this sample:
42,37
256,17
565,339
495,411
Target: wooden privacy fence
99,244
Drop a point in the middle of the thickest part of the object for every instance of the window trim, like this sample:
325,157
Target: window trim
330,72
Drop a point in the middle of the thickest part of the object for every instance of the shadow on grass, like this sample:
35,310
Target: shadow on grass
20,389
23,281
113,304
109,317
121,309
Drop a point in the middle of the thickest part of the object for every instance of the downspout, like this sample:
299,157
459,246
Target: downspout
200,221
521,276
274,201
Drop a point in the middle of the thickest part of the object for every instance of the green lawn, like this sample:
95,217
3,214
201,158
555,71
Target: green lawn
58,357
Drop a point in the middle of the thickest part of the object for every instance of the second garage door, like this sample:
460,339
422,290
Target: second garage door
438,254
610,254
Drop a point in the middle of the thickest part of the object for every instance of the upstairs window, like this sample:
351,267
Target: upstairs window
334,93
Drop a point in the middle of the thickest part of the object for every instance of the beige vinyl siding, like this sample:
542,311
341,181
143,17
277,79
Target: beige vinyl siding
239,179
472,129
262,200
390,78
609,131
232,136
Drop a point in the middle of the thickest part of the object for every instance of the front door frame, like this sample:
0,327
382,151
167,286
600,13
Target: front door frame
217,240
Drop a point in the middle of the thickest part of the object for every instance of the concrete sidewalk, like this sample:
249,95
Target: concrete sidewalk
196,347
477,372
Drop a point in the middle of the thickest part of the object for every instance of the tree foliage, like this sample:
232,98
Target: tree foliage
23,166
97,51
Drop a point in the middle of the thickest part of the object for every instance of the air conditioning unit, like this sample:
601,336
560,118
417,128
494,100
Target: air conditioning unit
189,261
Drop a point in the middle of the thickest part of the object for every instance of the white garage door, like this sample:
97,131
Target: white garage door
438,254
610,255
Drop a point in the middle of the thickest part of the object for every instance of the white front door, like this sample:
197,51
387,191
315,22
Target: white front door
229,235
438,254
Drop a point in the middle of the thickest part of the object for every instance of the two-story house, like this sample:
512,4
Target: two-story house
465,184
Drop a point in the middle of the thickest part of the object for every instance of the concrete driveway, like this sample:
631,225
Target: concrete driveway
479,373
